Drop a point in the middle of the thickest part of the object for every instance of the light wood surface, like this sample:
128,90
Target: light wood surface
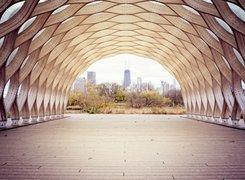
122,147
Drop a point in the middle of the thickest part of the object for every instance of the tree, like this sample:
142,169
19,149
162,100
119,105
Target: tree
108,90
134,100
75,99
120,96
176,97
154,99
147,99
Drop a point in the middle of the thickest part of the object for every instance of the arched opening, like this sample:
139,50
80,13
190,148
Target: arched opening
47,44
126,84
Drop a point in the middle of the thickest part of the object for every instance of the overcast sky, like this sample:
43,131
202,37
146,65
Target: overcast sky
112,70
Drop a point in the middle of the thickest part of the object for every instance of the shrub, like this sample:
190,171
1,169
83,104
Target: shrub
147,99
111,99
77,107
75,99
120,96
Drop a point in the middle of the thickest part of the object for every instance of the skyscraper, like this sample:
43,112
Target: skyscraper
127,78
91,77
150,86
139,84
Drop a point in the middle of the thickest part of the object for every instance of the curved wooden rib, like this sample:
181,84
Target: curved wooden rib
201,44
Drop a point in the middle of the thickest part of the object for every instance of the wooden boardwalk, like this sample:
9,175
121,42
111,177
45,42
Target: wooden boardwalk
122,147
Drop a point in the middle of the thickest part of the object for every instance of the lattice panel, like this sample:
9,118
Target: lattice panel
46,44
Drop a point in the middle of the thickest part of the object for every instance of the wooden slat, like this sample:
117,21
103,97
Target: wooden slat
122,147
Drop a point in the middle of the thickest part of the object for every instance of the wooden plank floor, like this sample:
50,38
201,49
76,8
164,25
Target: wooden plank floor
122,147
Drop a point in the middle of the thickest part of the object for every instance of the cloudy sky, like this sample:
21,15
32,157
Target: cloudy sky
112,70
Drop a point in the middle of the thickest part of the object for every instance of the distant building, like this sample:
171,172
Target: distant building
91,77
174,84
139,84
133,87
127,79
80,85
144,86
150,86
147,86
161,90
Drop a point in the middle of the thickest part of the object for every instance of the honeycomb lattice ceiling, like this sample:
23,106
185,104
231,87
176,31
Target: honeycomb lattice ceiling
200,42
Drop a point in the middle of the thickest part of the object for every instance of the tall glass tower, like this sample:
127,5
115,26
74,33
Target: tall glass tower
127,78
91,77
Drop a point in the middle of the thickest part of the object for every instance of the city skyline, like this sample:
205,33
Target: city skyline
112,70
79,84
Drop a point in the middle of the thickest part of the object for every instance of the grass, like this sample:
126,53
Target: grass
121,108
145,110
